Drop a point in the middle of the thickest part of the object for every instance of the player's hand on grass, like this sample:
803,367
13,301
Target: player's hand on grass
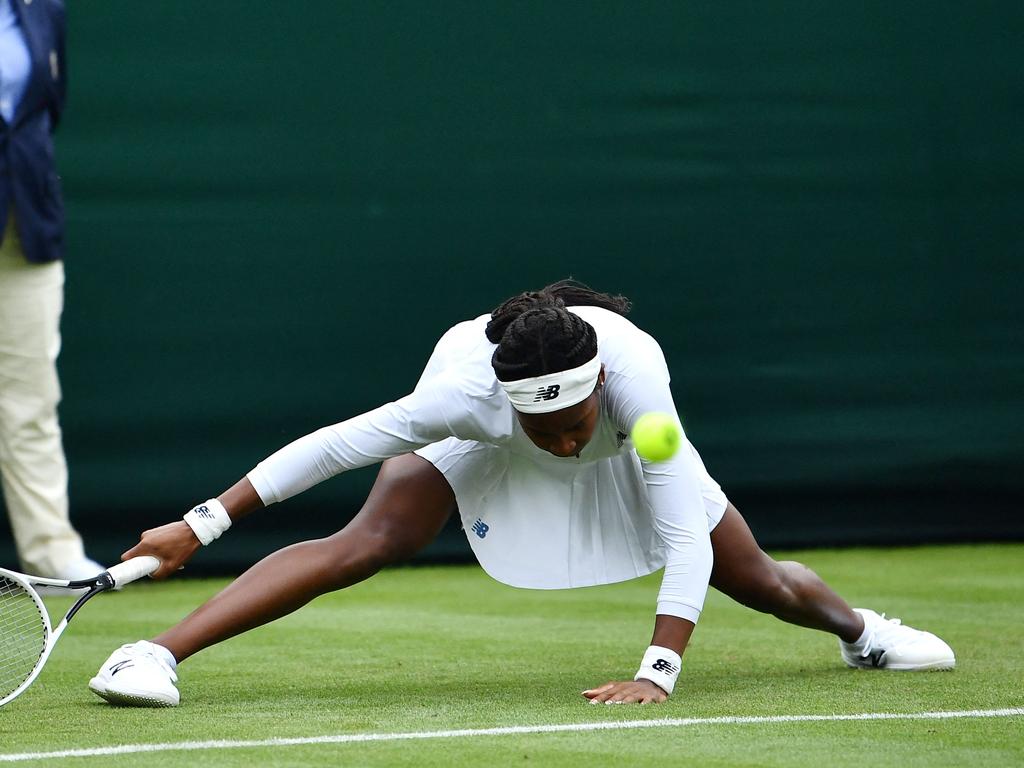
173,544
633,692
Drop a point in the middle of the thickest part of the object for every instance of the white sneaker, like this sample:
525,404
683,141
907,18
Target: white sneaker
137,675
891,645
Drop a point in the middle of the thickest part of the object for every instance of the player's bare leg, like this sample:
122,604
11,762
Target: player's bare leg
789,590
795,593
406,509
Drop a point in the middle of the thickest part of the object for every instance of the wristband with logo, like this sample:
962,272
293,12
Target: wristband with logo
661,666
208,520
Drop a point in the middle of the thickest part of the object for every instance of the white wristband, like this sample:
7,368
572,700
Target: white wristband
208,520
661,666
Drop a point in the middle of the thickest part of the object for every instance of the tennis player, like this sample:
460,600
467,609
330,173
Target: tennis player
520,420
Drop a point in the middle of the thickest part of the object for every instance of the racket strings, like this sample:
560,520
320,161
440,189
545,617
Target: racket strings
22,635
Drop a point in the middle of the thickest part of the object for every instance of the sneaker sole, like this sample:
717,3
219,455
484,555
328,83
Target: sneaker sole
128,699
935,666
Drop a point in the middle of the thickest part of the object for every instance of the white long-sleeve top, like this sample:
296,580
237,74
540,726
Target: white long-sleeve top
536,520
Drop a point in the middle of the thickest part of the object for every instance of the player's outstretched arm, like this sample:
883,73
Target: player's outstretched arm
656,678
174,544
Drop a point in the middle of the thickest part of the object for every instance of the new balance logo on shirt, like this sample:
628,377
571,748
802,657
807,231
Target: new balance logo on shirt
480,528
547,393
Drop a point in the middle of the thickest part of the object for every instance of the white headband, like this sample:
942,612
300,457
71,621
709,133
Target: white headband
553,391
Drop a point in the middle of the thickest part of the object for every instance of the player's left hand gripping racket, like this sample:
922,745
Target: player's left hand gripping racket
26,638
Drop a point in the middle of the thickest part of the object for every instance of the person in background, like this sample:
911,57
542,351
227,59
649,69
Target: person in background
32,464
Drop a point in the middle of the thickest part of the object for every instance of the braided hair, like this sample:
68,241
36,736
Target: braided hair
537,335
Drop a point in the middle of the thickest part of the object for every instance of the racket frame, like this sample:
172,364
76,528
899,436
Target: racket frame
104,582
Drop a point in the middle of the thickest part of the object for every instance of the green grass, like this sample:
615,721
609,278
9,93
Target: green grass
426,649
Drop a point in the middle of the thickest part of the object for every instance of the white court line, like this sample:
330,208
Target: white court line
348,738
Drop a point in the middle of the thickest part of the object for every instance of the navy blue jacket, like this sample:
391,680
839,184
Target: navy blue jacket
28,174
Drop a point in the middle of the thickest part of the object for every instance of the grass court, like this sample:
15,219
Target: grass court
423,650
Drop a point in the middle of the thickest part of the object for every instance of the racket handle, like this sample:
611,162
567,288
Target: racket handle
132,570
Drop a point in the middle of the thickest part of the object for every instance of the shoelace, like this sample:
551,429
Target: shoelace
133,652
889,634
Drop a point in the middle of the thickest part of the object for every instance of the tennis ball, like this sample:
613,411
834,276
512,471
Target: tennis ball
656,436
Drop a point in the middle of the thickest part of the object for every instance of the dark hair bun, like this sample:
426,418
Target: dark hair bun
537,335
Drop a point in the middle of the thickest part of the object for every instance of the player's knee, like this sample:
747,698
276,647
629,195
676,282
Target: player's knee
344,559
380,544
769,591
388,546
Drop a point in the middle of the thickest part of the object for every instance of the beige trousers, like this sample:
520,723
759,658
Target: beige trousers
32,464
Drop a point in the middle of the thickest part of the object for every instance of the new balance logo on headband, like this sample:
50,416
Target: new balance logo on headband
547,393
553,391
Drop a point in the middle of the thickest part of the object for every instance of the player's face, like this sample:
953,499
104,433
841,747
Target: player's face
566,432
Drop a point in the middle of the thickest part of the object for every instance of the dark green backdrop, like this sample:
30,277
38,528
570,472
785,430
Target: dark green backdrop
275,209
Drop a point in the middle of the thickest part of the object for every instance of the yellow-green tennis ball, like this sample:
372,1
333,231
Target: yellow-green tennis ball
656,436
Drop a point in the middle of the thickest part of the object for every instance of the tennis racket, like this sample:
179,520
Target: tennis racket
26,638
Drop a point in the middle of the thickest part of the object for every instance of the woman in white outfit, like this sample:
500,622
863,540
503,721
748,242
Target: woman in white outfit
521,421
